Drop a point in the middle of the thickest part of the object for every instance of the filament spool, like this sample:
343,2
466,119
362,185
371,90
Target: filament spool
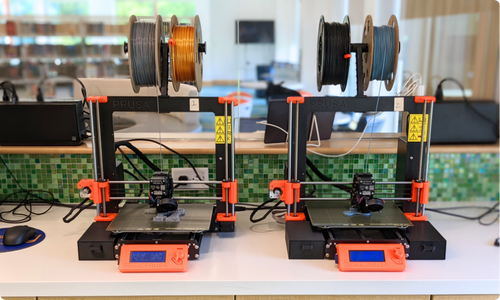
333,53
368,60
144,42
186,61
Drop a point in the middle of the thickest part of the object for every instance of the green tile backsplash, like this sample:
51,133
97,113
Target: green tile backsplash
453,177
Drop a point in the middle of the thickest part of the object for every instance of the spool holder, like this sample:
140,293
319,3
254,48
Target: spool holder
363,55
162,54
359,48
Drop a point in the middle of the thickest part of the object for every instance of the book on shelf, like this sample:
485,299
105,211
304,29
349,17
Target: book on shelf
12,28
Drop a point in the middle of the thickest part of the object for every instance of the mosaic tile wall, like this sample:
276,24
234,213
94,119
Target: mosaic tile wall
454,177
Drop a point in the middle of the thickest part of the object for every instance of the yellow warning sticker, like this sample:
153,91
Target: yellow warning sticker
220,130
415,127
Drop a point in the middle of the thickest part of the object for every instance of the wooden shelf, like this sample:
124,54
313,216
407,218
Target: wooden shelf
378,146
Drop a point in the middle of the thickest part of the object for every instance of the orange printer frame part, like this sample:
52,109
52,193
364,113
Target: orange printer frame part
95,189
423,199
96,196
287,195
232,187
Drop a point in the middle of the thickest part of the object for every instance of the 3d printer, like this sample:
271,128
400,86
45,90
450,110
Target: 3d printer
158,233
363,231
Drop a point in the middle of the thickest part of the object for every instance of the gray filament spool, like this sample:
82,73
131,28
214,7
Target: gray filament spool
145,39
368,57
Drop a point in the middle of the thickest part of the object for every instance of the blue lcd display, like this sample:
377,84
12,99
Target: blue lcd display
366,256
147,256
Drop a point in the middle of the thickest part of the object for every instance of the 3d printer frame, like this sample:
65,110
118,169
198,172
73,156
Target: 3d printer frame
421,241
106,173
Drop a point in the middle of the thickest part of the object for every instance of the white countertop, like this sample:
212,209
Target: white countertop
253,262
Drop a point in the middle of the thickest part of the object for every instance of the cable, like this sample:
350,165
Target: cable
175,152
80,207
135,169
26,202
479,218
39,96
262,207
439,98
334,51
323,177
319,141
12,90
141,155
409,88
275,126
353,147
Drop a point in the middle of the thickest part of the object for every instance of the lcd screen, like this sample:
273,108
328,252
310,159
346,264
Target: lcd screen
366,256
254,32
147,256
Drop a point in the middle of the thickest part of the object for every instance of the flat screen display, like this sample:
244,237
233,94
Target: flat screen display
254,32
147,256
366,256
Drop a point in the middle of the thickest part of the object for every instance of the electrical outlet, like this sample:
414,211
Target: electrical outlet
189,172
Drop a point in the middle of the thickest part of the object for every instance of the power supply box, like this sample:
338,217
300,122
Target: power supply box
53,123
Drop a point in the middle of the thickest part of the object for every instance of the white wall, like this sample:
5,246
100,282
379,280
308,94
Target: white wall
287,26
203,9
225,56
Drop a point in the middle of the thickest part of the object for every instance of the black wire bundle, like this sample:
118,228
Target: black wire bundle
479,218
169,149
81,207
262,206
323,177
30,196
8,86
333,45
39,96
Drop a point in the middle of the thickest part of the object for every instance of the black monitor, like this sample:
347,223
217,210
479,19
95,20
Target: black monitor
278,115
254,32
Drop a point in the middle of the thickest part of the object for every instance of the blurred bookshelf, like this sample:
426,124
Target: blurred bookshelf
32,47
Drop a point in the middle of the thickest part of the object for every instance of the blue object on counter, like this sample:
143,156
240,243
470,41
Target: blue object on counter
39,236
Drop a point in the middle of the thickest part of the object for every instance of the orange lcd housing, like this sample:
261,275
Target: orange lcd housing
153,258
371,257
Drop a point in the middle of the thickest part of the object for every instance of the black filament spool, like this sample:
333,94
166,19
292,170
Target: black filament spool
334,42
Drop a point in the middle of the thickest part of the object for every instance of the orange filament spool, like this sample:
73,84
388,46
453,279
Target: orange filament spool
186,59
183,53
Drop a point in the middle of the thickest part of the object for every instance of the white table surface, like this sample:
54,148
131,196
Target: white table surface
253,262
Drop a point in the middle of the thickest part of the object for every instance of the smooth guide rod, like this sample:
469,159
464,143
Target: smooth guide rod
347,199
175,182
176,198
94,150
